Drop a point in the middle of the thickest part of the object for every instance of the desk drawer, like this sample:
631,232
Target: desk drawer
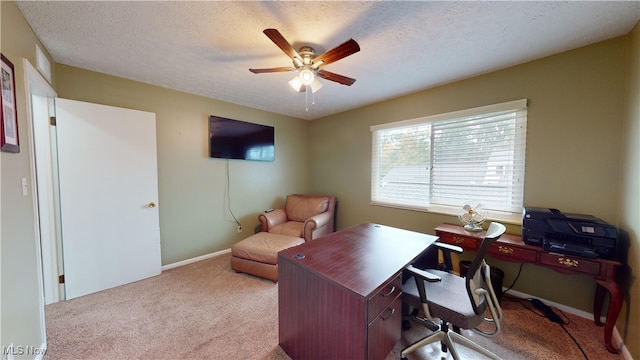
464,242
509,252
381,300
566,263
384,331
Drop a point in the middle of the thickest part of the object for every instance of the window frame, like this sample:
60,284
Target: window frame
510,216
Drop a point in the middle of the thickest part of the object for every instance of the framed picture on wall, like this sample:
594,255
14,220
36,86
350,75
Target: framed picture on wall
9,140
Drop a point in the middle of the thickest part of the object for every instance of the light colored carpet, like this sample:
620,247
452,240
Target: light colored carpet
207,311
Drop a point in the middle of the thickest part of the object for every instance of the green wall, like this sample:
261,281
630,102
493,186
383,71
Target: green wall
575,117
194,218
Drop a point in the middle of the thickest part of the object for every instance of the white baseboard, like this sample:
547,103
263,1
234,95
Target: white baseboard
195,259
616,339
567,309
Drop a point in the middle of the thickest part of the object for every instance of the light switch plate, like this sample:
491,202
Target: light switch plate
25,187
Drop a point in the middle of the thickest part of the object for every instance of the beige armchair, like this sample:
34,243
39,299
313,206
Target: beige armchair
304,216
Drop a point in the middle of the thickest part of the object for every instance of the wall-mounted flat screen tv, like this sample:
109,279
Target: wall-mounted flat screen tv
240,140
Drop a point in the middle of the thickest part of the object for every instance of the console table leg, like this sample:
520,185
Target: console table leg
615,304
597,304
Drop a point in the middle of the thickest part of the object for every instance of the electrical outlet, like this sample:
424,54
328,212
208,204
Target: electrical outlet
239,229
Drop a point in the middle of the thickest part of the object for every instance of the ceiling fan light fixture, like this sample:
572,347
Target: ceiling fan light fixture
306,77
296,84
315,85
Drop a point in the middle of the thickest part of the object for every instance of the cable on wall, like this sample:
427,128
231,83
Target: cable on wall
514,280
229,194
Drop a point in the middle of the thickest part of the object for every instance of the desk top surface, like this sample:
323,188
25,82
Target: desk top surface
362,257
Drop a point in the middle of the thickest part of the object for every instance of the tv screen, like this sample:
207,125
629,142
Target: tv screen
241,140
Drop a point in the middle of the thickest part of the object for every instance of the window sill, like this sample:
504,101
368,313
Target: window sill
503,217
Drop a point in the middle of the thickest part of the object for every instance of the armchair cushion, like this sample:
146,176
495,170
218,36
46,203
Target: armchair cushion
258,254
300,208
264,247
289,228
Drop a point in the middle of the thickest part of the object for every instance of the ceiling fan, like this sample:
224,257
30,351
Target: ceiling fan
308,65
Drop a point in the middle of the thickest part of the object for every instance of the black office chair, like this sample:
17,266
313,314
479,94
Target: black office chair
447,299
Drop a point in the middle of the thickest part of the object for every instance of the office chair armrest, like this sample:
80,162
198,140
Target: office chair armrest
424,275
447,249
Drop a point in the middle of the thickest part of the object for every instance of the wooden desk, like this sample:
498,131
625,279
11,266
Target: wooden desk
511,248
340,296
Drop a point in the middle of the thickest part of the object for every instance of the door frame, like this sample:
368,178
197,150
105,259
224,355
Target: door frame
45,187
35,84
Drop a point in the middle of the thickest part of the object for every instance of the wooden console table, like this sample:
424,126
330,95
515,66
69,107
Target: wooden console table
340,296
511,248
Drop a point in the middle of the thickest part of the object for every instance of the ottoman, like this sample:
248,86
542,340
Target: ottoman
258,254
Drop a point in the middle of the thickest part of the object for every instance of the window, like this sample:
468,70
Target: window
439,163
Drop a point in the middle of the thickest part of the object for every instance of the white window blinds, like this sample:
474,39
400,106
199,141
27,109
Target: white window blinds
439,163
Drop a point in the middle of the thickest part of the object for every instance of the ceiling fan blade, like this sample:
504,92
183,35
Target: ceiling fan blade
341,51
327,75
271,70
282,43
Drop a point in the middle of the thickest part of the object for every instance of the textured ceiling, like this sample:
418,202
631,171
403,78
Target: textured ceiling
206,47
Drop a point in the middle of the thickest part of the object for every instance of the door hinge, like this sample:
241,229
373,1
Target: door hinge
61,279
52,120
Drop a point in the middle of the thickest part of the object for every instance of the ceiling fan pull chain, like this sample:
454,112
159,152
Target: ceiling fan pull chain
313,98
306,97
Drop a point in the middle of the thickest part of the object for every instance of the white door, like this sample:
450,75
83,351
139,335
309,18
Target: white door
108,195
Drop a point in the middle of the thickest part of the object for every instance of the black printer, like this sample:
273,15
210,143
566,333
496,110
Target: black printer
574,234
